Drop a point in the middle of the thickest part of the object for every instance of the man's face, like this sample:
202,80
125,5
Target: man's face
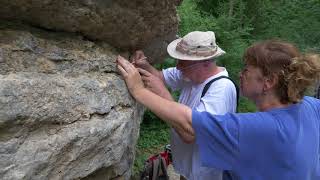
189,68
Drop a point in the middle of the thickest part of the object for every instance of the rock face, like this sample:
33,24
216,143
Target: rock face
65,113
126,24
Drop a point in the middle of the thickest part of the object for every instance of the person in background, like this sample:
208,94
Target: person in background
195,54
280,141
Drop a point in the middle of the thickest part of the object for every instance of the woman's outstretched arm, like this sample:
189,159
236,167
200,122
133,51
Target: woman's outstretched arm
176,115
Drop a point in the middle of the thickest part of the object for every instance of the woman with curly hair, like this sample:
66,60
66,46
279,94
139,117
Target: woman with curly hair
281,141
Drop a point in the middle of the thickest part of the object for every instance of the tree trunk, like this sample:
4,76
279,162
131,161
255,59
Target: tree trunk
231,5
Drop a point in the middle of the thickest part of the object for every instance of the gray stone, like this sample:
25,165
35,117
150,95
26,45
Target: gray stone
126,24
33,51
65,113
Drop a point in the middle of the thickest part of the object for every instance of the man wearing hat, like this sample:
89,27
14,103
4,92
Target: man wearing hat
195,54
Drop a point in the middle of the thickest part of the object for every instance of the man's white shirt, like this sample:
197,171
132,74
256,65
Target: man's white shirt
220,98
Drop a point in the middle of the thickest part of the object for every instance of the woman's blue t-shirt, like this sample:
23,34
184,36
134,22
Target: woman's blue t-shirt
282,143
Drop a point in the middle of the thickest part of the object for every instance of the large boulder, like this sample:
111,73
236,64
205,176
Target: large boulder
125,24
65,112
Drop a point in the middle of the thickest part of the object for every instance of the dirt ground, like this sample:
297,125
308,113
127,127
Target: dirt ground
172,175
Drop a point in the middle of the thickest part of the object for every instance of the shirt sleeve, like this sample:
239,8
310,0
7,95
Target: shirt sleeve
217,138
173,78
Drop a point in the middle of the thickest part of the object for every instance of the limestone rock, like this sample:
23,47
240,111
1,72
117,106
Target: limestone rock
65,113
125,24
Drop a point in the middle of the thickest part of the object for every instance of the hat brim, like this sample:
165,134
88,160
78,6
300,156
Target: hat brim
171,49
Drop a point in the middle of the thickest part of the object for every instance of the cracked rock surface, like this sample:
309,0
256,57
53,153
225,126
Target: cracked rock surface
64,111
125,24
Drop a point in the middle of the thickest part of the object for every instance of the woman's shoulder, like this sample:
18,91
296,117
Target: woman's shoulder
311,101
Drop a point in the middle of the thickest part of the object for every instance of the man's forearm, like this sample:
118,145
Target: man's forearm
166,94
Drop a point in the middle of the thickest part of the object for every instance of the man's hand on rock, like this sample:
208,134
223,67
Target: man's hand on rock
140,60
154,84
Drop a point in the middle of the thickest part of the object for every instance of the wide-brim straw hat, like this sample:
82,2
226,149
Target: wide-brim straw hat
195,46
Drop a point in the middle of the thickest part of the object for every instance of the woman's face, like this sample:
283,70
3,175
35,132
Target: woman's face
251,82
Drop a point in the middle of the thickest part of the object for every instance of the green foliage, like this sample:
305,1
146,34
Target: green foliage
168,62
246,106
210,7
292,20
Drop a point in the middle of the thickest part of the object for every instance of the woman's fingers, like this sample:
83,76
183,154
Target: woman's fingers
130,74
122,71
121,61
125,64
144,72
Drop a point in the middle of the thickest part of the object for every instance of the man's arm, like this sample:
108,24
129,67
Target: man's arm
177,115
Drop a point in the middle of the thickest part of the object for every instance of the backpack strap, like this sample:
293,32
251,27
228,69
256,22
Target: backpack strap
156,167
159,171
164,169
207,86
